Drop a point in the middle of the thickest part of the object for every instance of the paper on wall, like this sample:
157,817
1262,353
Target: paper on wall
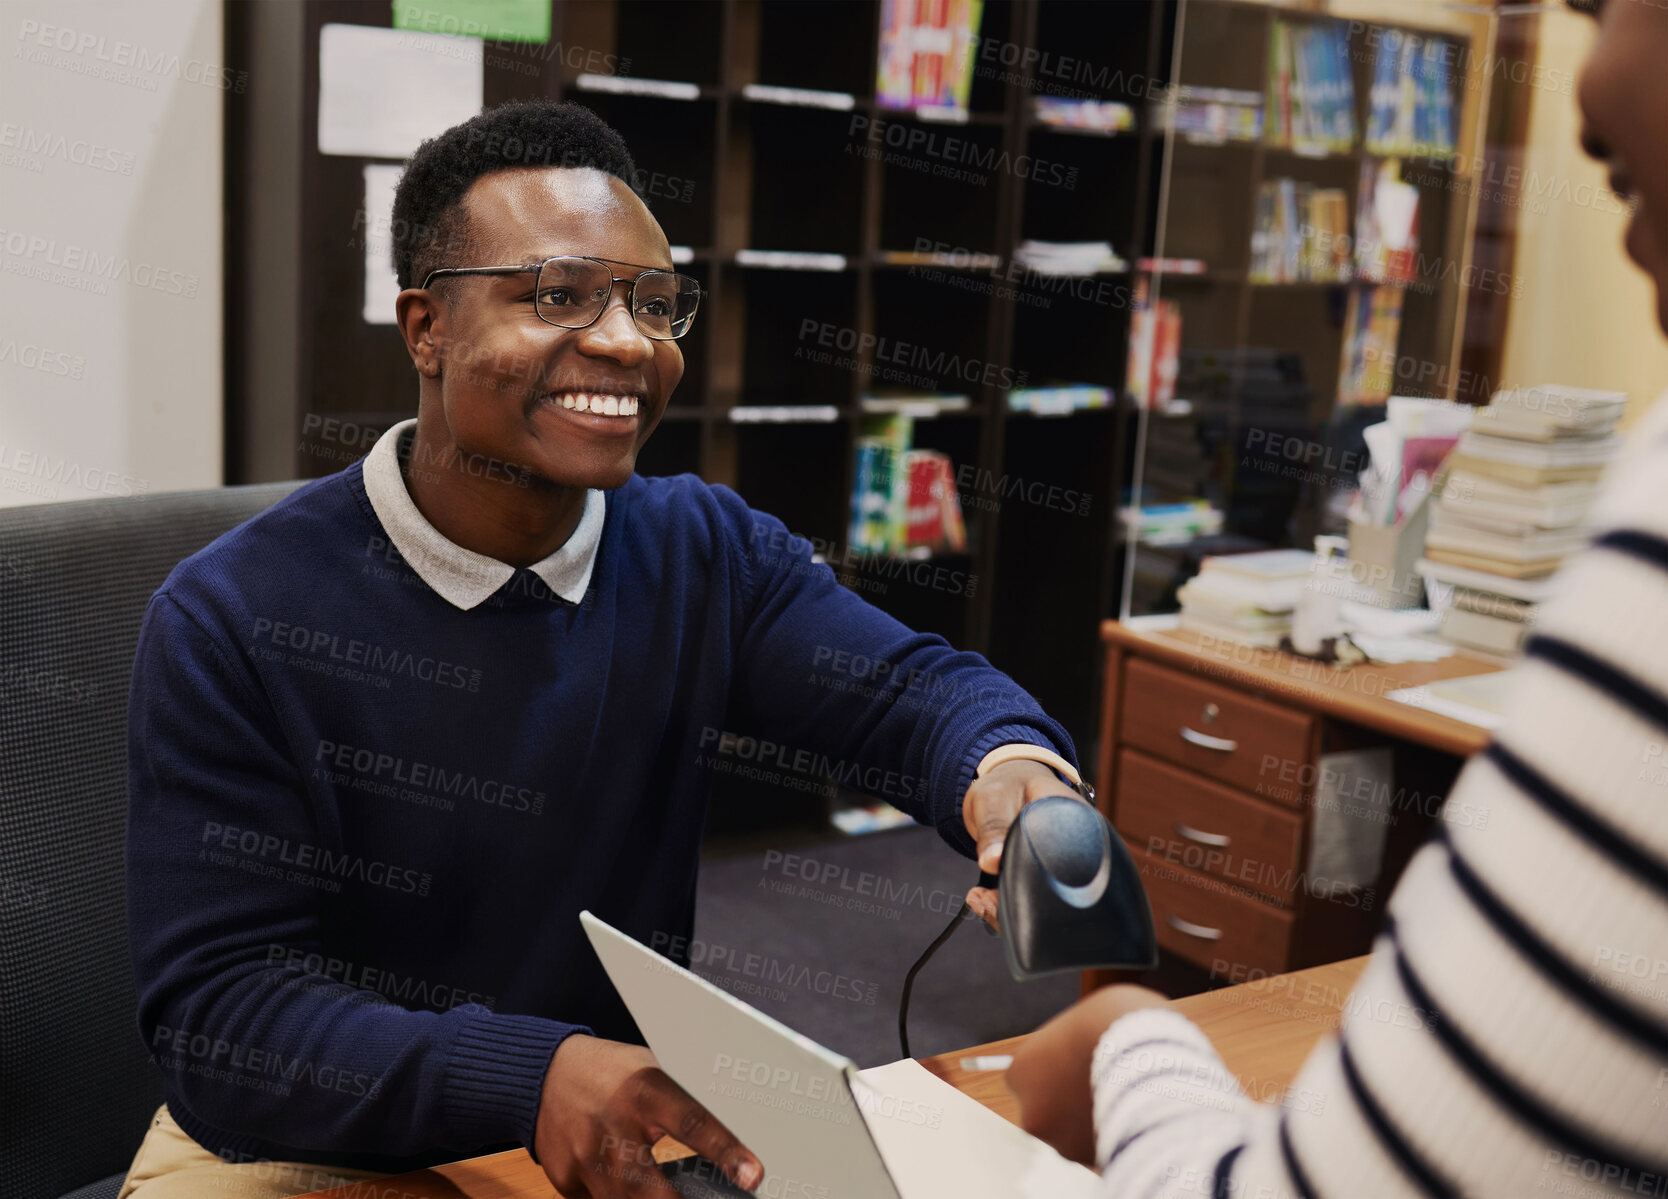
381,284
382,91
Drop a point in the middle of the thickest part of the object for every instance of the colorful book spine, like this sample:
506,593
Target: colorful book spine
1311,90
927,51
1412,102
1372,327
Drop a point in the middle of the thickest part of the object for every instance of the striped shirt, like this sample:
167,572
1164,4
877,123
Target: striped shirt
1509,1035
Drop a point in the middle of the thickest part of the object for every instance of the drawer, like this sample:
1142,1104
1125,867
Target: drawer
1206,922
1221,733
1189,821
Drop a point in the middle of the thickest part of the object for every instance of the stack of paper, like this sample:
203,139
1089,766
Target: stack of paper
1514,505
1068,257
1246,597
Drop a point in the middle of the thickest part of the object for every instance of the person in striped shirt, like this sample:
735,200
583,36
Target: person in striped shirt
1509,1035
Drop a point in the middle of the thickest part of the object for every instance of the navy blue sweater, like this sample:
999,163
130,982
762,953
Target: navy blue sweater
363,821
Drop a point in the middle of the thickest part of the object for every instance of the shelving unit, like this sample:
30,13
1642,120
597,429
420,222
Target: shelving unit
830,173
736,168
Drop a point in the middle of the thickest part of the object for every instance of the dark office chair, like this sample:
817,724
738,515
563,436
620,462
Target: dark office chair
77,1088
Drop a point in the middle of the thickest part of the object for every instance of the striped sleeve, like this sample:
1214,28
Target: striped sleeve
1509,1036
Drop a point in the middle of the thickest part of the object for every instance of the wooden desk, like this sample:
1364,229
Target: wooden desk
1263,1030
1208,760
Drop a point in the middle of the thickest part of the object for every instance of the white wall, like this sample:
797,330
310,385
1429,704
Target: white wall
110,247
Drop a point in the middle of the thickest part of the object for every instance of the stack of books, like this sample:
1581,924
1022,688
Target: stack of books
1301,234
1514,504
1155,330
1411,104
1372,326
1171,523
1068,257
1093,116
1247,598
1311,92
1210,114
903,499
926,54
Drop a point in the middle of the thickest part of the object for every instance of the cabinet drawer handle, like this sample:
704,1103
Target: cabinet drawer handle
1194,930
1215,840
1206,741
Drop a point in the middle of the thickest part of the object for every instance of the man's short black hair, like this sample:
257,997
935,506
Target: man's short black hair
428,219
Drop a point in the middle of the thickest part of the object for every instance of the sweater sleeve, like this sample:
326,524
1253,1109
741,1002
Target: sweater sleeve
852,694
226,869
1509,1034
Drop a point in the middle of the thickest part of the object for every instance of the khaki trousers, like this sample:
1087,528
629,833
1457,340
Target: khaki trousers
170,1165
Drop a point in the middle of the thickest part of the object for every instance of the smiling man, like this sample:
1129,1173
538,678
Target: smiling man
390,737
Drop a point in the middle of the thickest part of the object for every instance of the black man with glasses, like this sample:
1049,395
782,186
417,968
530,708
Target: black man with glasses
388,738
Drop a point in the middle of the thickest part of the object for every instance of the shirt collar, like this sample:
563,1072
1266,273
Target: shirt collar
462,577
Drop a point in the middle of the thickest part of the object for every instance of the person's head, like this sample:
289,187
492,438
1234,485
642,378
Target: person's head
1624,106
516,185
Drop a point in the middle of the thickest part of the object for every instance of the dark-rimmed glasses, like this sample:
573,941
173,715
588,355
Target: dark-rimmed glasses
571,292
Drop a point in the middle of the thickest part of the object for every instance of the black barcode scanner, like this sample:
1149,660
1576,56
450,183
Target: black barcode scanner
1068,897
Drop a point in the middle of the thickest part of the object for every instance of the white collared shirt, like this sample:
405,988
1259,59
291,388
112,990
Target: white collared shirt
462,577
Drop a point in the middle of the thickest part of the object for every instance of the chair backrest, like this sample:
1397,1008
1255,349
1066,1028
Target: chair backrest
77,1088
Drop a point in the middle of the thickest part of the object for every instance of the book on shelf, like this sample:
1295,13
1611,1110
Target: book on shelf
1059,399
926,54
903,499
1098,116
958,259
1372,326
1173,523
925,404
1068,257
1155,330
1386,225
1209,114
1411,100
1311,90
1301,234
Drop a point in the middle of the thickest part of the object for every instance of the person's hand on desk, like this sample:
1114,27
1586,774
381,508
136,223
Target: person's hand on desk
605,1103
1050,1071
989,808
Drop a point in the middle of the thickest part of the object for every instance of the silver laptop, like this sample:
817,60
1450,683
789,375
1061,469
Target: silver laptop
822,1128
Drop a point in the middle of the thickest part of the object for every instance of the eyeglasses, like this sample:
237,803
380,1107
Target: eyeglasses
572,292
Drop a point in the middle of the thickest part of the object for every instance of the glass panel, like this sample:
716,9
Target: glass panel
1312,253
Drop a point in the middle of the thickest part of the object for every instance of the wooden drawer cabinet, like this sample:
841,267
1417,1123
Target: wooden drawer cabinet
1212,730
1192,822
1209,923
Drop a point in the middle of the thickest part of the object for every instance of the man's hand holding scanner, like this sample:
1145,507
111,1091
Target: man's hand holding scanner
989,809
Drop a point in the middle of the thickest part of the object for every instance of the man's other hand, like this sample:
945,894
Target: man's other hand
989,808
604,1106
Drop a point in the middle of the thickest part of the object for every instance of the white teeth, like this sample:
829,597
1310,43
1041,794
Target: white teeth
604,405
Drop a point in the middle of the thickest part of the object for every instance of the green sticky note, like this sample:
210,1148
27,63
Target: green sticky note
493,20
